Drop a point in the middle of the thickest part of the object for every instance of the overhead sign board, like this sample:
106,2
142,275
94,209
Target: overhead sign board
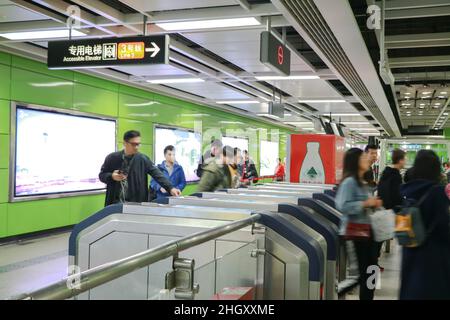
274,54
91,53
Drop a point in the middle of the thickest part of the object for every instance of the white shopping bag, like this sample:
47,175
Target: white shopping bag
383,224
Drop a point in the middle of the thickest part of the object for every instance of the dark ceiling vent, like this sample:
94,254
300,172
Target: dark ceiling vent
339,86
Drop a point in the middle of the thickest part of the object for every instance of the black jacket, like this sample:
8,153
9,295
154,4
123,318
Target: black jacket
369,177
389,188
426,269
141,166
248,170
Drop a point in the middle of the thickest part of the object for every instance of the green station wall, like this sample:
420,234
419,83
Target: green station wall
28,81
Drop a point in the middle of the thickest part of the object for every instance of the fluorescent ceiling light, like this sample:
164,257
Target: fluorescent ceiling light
362,129
268,115
300,123
355,122
342,114
408,93
443,92
321,101
263,78
43,34
51,84
208,24
445,114
179,80
238,102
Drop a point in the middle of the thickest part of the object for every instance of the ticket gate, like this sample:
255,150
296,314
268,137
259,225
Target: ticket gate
286,261
325,198
316,226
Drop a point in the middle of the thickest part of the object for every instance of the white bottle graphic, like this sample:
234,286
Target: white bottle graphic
312,168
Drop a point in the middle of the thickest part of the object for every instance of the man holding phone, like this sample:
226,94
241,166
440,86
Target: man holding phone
125,173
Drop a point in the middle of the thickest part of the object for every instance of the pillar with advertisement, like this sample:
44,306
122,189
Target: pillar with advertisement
314,158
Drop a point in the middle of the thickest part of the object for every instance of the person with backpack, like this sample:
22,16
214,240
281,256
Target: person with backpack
354,200
425,269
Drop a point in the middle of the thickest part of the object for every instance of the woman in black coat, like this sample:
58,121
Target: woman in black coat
426,269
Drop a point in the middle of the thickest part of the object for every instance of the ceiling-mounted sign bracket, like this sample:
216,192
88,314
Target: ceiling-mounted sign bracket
274,54
103,53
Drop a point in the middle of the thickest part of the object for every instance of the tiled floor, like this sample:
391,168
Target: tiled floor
32,264
390,278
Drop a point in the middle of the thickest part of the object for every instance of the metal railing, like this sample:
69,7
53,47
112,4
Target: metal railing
99,275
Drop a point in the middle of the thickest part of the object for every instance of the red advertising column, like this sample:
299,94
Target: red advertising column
316,158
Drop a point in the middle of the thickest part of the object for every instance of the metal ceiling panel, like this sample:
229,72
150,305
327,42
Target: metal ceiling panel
13,13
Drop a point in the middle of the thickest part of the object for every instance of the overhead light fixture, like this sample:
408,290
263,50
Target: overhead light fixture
300,123
422,104
322,101
264,78
208,24
443,92
238,102
355,122
43,34
445,113
407,93
269,116
343,114
427,92
175,80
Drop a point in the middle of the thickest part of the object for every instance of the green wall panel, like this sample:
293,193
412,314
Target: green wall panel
147,149
83,207
35,66
37,88
3,219
127,90
145,128
95,100
4,185
4,116
25,217
4,151
5,83
137,108
96,82
5,58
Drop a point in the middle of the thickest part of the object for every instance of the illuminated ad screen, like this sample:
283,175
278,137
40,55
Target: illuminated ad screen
240,143
268,155
187,148
59,153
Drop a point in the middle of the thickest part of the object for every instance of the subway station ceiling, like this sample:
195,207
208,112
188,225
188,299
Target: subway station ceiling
334,56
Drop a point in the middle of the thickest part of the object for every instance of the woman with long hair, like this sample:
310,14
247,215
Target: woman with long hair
354,200
426,269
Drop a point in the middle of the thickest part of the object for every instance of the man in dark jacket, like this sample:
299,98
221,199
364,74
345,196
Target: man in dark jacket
391,180
172,170
248,168
369,176
125,173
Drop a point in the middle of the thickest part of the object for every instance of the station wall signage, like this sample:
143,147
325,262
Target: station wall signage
91,53
274,54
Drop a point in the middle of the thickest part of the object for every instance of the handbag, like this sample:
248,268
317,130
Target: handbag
383,224
357,231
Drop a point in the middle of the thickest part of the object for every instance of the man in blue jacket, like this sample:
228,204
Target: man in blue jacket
172,170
